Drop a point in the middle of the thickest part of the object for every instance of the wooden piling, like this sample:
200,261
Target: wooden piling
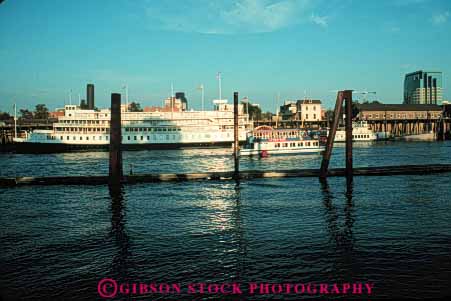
331,136
235,137
115,174
347,95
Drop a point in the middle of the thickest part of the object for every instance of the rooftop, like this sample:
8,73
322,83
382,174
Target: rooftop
398,107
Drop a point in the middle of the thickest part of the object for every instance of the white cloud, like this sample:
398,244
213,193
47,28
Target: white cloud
440,18
228,17
318,20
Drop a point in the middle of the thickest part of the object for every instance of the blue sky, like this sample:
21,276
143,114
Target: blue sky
261,47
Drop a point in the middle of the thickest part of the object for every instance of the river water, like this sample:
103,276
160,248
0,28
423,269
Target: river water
58,242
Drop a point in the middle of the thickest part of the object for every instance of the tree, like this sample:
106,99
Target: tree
254,111
5,116
25,114
134,107
267,116
41,112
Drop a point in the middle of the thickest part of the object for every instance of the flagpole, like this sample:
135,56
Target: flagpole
220,88
203,97
15,120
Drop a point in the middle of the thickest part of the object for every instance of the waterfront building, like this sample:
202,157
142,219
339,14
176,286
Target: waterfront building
423,87
376,112
305,110
90,96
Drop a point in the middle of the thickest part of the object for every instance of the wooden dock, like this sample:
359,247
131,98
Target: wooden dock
227,175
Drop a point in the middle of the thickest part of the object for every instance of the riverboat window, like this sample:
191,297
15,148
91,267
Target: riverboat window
292,144
314,116
94,137
106,138
67,138
277,145
315,143
142,138
61,138
73,138
81,138
147,138
370,115
128,137
307,144
300,144
87,138
306,116
167,137
285,145
134,137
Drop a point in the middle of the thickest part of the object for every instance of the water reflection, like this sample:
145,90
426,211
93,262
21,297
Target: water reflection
118,232
343,238
238,226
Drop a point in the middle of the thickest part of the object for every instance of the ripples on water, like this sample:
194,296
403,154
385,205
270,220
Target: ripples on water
202,160
58,242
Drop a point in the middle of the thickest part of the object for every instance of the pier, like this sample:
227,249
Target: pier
227,175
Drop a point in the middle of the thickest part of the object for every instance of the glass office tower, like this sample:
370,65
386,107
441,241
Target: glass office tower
423,87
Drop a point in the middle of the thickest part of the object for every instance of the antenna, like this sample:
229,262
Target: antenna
219,82
15,120
79,99
201,87
70,96
125,87
172,90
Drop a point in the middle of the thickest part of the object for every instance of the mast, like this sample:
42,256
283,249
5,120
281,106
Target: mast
277,109
126,96
15,120
172,100
203,96
70,96
219,83
79,99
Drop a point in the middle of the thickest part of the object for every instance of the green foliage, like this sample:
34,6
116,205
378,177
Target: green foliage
134,107
5,116
25,114
41,112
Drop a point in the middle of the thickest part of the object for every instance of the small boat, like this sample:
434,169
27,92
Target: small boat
265,141
361,131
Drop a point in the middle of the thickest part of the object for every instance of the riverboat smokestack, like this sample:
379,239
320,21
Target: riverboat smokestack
90,96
